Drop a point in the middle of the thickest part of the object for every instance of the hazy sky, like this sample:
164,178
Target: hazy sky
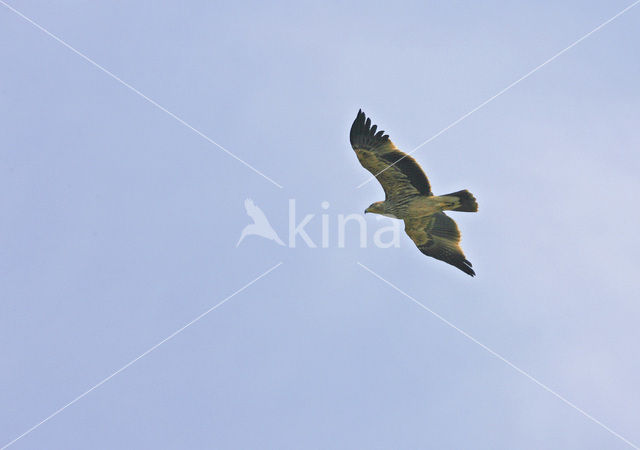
120,226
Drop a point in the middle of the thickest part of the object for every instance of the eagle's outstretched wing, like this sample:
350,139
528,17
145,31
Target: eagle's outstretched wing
438,236
376,153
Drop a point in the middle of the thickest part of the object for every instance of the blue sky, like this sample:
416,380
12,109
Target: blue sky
120,226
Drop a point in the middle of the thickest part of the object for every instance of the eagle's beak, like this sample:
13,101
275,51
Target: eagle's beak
366,210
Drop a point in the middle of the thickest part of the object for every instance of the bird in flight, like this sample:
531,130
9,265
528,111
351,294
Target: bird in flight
408,195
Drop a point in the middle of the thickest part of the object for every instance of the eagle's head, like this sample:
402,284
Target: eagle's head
376,208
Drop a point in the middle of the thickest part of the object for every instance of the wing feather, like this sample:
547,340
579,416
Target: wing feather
438,236
399,174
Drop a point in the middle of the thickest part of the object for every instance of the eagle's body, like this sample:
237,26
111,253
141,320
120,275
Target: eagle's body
408,195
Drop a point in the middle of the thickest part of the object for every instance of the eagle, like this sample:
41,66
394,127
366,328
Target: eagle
408,195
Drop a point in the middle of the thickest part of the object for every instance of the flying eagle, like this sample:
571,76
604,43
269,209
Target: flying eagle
408,195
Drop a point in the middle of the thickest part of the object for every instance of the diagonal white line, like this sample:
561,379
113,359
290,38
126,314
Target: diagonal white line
490,99
500,357
127,85
142,355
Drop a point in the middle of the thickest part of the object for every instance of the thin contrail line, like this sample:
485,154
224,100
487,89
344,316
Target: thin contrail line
142,355
502,358
489,100
127,85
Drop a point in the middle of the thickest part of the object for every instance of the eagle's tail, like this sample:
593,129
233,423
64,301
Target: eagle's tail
461,201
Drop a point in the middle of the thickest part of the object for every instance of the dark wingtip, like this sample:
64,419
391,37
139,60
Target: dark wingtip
364,134
466,268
